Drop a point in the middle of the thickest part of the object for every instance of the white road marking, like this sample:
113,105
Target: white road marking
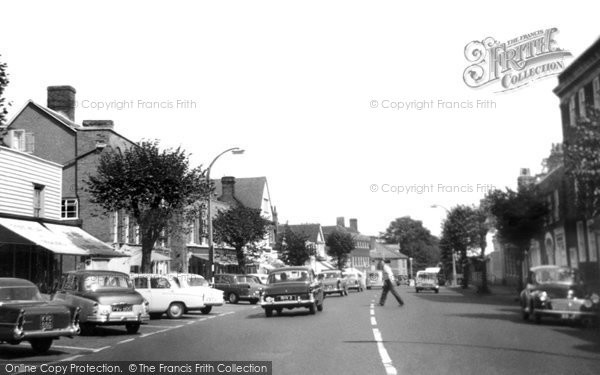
152,333
70,358
124,341
73,347
385,358
373,321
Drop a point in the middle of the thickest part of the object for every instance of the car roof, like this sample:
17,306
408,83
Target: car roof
96,272
13,281
549,267
294,268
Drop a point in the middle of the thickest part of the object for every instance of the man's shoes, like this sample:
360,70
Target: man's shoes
380,304
401,304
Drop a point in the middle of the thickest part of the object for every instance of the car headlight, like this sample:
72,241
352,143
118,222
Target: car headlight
570,294
269,299
543,296
595,298
588,304
104,309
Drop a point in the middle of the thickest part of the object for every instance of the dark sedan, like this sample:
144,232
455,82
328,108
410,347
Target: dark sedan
558,292
239,287
26,316
292,287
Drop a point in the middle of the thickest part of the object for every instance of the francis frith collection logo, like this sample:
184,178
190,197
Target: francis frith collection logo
515,63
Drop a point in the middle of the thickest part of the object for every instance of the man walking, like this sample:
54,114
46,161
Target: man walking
388,284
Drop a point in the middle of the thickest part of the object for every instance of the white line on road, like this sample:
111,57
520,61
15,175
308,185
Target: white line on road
73,347
385,358
152,333
124,341
373,321
70,358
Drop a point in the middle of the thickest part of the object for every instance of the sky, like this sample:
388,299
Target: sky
306,88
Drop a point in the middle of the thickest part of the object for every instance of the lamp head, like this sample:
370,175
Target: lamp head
239,151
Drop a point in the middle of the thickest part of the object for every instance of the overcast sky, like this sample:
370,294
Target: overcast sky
293,83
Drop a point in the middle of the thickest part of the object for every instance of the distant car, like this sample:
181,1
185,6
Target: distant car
104,297
290,288
334,282
26,316
262,277
165,295
355,279
239,287
374,279
427,281
211,297
402,280
558,292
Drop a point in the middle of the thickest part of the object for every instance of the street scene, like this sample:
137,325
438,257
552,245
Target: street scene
319,188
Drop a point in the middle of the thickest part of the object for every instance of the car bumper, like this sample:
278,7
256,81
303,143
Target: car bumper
288,304
567,309
115,318
331,290
71,331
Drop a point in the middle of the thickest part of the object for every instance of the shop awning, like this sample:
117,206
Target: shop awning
60,239
34,233
136,258
217,260
84,240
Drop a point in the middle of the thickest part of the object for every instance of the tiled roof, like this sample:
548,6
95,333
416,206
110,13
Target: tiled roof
386,251
248,191
312,231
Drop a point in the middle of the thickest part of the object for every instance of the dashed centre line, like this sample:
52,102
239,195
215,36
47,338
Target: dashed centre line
385,357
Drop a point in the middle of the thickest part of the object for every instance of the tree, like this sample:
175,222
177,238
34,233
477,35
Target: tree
415,241
339,245
238,227
3,104
153,186
294,248
519,216
465,228
582,161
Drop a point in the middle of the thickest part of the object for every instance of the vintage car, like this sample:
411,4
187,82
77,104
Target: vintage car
166,296
334,282
104,297
262,277
210,296
374,279
26,316
292,287
558,292
427,280
355,279
239,287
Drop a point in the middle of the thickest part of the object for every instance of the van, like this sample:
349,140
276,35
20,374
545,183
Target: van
427,280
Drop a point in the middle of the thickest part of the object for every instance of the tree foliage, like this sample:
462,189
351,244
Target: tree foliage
238,227
339,245
153,186
465,228
293,247
3,103
518,217
415,241
582,161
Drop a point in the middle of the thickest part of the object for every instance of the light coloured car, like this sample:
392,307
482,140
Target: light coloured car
165,295
197,283
355,279
427,280
374,279
104,298
334,282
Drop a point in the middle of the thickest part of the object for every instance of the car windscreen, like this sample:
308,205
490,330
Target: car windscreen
19,293
286,276
331,275
196,281
98,282
556,275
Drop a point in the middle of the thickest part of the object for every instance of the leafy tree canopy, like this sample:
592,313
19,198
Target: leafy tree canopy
294,248
3,104
415,241
339,245
151,185
238,227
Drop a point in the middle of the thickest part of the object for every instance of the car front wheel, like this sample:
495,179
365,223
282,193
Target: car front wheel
175,311
132,328
233,298
41,345
269,313
206,310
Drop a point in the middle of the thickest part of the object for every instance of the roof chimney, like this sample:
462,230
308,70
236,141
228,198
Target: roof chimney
62,99
340,221
525,178
105,124
354,225
228,188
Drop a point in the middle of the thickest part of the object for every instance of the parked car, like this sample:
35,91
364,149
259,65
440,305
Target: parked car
26,316
427,280
211,297
104,297
290,288
558,292
262,277
165,295
239,287
334,282
374,279
355,279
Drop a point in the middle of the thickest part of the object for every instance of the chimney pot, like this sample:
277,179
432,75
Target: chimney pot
107,124
228,186
341,221
354,225
62,99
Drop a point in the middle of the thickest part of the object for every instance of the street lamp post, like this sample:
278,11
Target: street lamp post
453,258
211,250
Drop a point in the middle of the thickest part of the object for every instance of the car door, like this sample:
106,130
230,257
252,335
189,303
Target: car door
222,283
162,293
142,286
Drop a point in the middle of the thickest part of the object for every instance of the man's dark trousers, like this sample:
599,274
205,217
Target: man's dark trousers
389,287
